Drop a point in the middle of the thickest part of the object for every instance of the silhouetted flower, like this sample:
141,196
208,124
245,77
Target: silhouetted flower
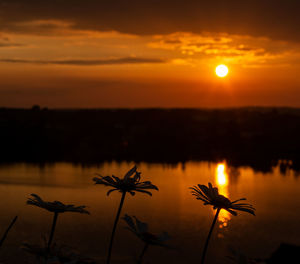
239,257
140,229
130,183
56,206
210,195
56,254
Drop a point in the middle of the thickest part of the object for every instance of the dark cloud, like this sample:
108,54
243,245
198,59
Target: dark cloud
6,42
40,27
126,60
278,19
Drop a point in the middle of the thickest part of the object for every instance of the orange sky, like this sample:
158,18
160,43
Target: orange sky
57,57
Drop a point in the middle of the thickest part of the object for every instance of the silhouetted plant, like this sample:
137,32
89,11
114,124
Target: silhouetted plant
239,257
130,183
7,230
140,229
210,195
56,254
55,207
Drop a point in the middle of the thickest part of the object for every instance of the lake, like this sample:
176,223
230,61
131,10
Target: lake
275,195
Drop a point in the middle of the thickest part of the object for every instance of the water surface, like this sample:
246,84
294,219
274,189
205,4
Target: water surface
173,209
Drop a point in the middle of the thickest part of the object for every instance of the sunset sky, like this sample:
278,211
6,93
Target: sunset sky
147,53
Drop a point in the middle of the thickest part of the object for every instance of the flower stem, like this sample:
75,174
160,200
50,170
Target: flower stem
209,235
7,230
52,231
114,228
143,253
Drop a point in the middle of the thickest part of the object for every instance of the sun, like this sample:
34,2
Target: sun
222,70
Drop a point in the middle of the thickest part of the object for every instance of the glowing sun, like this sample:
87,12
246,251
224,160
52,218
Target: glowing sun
221,70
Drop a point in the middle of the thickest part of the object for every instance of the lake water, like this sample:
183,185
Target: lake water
173,209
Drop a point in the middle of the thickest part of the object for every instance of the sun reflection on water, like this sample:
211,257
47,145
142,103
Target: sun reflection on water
222,184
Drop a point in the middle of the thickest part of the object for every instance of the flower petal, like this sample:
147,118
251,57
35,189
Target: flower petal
205,191
130,172
199,192
128,219
231,211
248,210
242,199
163,237
141,227
110,191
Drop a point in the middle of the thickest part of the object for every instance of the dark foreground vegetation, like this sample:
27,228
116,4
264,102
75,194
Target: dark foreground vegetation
256,137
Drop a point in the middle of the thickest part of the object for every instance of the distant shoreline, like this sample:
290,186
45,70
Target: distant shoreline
250,136
151,108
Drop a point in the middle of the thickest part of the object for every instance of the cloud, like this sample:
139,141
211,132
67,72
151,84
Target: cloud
126,60
8,44
245,50
43,27
5,42
189,43
277,19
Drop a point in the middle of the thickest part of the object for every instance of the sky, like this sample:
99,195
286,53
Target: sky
150,53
